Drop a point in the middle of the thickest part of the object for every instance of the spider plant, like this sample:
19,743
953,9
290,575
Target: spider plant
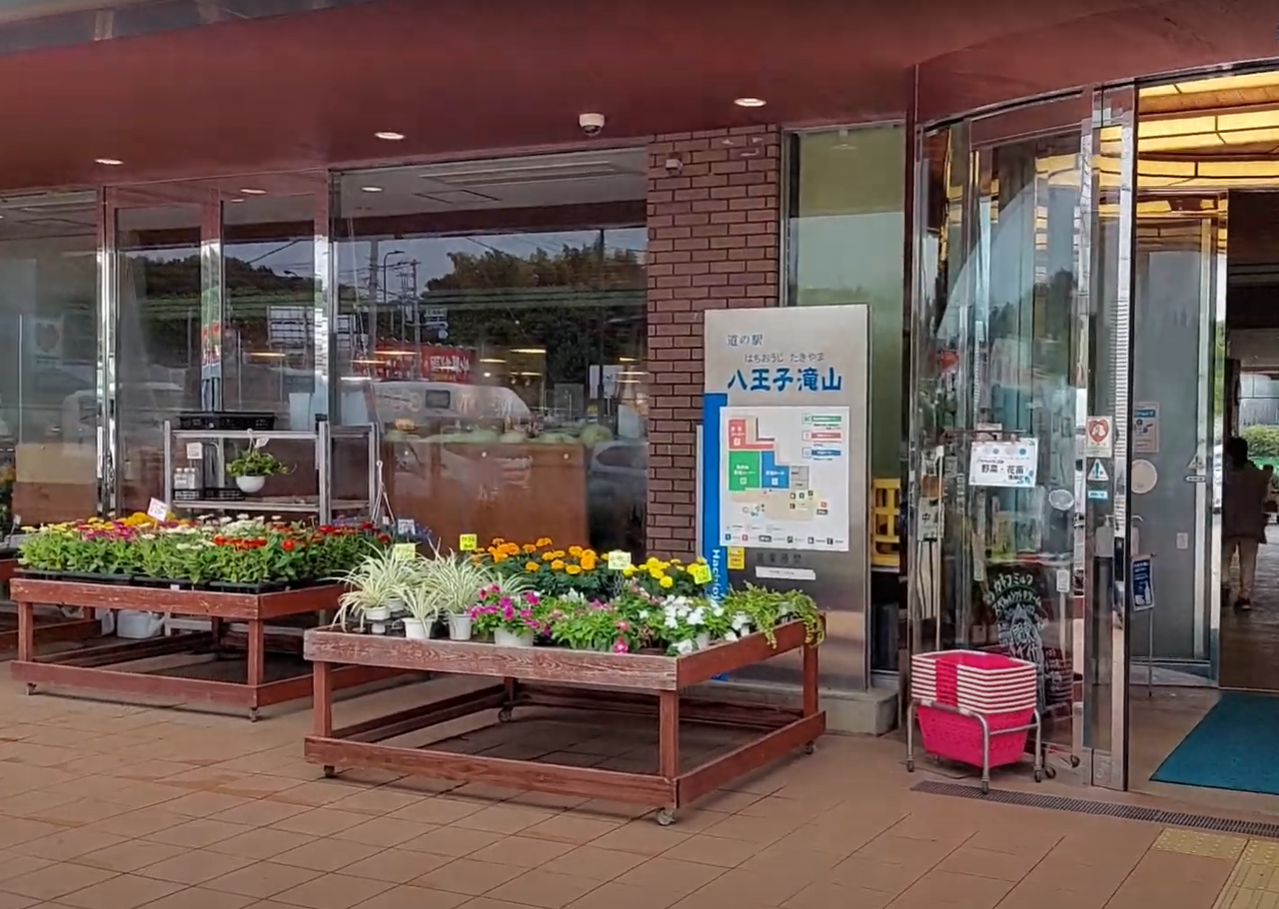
373,585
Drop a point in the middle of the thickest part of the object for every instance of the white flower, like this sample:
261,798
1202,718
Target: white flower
717,610
696,617
684,647
730,636
643,614
740,621
671,622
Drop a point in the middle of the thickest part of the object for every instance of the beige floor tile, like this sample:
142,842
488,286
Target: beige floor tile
377,801
396,866
834,896
195,867
260,843
568,828
262,879
13,901
332,891
259,813
327,854
544,889
437,810
320,821
612,895
197,834
468,876
384,831
505,819
643,837
130,855
127,891
67,844
454,842
713,850
54,881
671,874
140,822
596,863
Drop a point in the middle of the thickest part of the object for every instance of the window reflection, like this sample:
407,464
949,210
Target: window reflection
48,355
492,320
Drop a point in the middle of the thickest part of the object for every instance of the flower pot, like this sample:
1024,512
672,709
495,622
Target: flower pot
416,630
135,625
250,485
377,617
460,627
504,638
703,640
396,608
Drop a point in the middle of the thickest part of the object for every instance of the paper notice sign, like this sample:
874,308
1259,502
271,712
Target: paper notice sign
468,542
158,511
619,560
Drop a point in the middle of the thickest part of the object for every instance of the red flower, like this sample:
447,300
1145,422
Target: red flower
383,538
219,541
288,545
367,525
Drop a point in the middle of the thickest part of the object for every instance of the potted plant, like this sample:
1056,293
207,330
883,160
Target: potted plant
455,582
420,601
512,620
252,467
375,585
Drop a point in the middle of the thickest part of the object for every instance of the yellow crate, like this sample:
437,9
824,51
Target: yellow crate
885,544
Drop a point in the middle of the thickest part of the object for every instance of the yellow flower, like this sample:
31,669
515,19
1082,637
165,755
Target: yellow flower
573,569
628,571
557,565
701,561
650,562
588,564
531,566
655,573
475,560
559,553
589,553
548,556
676,562
498,541
575,551
500,557
543,541
511,548
530,548
667,581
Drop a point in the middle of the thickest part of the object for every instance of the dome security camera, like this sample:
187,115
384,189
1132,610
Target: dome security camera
591,124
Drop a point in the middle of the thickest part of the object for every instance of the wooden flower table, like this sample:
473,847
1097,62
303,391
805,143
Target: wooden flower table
48,630
106,666
638,684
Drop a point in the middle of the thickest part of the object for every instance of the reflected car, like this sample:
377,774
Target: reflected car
617,493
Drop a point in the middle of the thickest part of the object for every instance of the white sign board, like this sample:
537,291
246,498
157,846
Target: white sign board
1099,437
158,511
1011,465
784,474
1145,427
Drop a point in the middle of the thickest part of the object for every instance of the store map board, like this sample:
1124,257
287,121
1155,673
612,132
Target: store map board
783,472
785,477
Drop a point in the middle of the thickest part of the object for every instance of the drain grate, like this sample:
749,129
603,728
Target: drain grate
1102,809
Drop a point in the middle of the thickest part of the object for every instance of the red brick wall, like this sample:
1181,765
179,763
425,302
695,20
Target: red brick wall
712,244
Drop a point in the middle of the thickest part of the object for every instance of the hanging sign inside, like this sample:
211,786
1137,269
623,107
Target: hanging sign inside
1011,465
1099,437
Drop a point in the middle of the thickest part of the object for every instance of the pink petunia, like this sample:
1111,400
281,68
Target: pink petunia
621,646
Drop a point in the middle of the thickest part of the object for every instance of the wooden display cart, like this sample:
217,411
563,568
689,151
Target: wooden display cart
48,630
640,684
103,667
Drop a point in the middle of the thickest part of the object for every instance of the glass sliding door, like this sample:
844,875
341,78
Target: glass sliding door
1011,360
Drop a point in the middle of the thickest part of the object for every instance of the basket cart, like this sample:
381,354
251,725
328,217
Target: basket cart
974,708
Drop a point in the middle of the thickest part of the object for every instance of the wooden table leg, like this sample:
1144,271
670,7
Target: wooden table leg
257,662
511,687
668,748
812,700
322,707
217,627
27,636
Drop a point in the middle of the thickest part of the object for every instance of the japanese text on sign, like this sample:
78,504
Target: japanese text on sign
1006,464
784,378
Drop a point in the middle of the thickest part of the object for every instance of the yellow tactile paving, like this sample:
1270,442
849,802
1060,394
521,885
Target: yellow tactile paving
1193,842
1254,882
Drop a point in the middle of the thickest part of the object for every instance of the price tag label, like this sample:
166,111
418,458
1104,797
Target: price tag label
406,527
736,558
405,550
195,451
158,511
619,560
260,442
701,573
468,542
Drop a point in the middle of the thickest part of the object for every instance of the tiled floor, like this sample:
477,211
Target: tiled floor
104,806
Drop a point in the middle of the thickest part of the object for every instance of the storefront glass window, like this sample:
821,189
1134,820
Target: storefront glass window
492,320
844,242
48,356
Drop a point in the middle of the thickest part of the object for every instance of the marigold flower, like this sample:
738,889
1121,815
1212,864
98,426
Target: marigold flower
557,565
548,557
498,541
543,541
573,569
667,581
575,551
531,566
530,548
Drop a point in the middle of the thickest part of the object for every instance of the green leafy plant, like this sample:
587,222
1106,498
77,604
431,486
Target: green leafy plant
518,614
455,583
256,462
766,609
592,626
380,578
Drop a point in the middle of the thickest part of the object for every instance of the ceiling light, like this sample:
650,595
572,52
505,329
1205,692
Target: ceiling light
273,354
253,191
108,162
534,351
371,189
491,360
626,360
389,135
749,102
236,201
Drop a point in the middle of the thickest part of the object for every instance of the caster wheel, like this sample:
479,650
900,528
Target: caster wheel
985,788
1074,760
253,714
31,688
504,715
910,765
330,771
665,817
1039,775
810,748
1050,772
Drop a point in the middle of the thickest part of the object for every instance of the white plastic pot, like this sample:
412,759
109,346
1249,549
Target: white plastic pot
416,630
703,640
250,485
504,638
459,627
135,625
377,617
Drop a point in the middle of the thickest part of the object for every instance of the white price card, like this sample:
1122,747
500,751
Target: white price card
195,451
619,560
158,511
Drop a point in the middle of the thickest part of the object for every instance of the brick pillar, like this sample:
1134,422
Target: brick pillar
712,244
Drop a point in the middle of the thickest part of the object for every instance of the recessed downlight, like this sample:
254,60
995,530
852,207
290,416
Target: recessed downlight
388,135
371,189
749,102
236,201
108,162
253,191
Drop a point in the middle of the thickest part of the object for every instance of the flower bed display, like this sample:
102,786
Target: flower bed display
537,595
241,554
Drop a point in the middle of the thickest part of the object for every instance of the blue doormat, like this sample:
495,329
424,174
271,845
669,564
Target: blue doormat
1236,746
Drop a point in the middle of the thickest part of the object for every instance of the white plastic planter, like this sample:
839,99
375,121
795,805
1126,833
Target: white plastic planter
504,638
459,627
250,485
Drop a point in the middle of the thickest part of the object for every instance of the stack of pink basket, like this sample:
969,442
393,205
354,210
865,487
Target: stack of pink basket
1001,689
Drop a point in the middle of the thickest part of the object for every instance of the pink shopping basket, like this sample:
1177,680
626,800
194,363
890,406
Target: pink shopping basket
955,737
940,677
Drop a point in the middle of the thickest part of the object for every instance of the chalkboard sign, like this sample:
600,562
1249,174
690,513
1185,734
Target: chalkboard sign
1015,598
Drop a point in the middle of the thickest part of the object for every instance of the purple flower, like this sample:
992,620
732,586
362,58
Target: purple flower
532,598
505,602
